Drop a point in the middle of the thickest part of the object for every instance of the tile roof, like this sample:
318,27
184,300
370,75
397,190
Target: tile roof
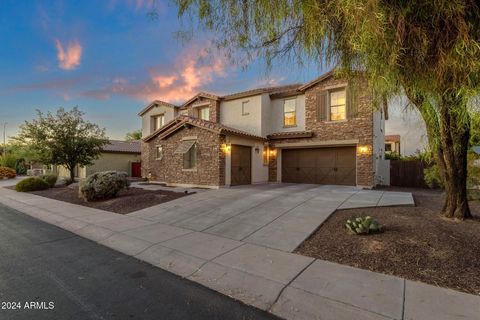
181,120
270,90
392,137
119,146
154,103
290,134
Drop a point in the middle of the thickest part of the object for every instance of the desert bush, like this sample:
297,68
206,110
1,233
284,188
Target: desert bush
432,177
363,225
8,173
103,185
31,184
51,179
21,166
8,160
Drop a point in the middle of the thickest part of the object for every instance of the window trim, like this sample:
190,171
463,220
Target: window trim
154,119
156,152
244,113
294,113
190,168
344,89
199,110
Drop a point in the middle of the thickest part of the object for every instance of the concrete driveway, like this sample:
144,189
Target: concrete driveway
278,216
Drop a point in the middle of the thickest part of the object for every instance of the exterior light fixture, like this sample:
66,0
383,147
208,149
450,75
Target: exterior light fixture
364,150
226,148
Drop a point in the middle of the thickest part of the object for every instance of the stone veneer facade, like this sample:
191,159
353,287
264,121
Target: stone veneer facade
210,169
359,128
212,103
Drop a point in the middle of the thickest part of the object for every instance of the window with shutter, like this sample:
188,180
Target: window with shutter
322,106
352,102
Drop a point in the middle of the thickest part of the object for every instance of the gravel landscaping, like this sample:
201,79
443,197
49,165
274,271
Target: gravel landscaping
416,244
128,200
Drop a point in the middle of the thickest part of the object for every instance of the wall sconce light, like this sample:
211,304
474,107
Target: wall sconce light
257,150
364,150
273,152
226,148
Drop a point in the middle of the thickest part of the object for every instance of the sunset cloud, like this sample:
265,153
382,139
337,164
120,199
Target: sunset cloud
188,75
69,57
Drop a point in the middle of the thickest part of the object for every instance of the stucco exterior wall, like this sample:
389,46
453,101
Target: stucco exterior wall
276,115
114,161
381,176
259,171
169,169
231,114
147,124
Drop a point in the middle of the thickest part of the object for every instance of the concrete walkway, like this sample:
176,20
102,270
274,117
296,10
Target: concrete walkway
250,266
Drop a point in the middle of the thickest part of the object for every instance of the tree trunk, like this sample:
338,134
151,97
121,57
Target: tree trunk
72,174
451,154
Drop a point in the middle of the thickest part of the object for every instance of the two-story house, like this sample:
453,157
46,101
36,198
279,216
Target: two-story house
321,132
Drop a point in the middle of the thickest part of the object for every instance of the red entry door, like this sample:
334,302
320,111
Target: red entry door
136,169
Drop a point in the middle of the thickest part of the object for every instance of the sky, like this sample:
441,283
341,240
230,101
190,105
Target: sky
109,58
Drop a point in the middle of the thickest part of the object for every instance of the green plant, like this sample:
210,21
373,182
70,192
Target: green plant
432,177
103,185
51,179
8,173
20,166
363,225
31,184
8,160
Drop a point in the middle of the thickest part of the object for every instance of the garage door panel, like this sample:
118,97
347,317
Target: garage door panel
319,165
345,176
241,165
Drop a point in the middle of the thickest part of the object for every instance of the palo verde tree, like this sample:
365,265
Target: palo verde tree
428,50
64,138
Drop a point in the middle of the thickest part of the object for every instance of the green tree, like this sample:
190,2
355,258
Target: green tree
64,138
428,50
134,135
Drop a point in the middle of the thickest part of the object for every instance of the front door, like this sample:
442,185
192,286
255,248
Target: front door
241,172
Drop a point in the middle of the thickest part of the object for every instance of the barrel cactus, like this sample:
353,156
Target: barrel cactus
363,225
103,185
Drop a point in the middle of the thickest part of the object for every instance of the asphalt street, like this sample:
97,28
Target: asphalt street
49,273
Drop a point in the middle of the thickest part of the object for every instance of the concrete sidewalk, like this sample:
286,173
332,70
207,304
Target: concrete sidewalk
286,284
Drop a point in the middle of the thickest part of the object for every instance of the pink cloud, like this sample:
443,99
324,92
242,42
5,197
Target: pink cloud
69,57
193,70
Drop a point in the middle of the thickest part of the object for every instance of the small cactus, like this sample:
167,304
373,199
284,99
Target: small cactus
363,225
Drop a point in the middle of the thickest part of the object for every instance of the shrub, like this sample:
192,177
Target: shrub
432,177
51,179
20,166
103,185
8,160
8,173
363,225
31,184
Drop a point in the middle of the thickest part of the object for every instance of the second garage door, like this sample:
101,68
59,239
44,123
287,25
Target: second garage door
320,165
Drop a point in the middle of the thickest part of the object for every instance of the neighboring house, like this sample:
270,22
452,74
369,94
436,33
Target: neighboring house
409,125
392,144
318,132
117,155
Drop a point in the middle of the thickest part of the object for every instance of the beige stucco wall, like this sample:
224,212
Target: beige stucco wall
276,115
231,114
147,124
107,162
259,171
114,161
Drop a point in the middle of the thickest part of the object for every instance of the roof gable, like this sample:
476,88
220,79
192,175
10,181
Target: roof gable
317,80
201,95
181,121
156,103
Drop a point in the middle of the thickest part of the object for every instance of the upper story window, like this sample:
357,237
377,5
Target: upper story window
204,113
245,108
158,121
289,113
338,100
